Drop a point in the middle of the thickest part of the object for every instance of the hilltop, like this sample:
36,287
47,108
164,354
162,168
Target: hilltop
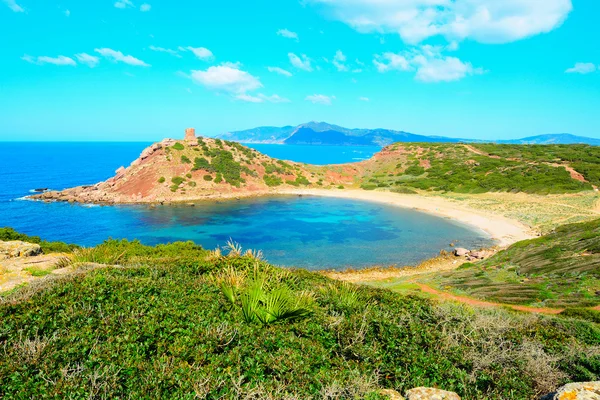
322,133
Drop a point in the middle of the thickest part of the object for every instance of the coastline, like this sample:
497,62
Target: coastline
504,230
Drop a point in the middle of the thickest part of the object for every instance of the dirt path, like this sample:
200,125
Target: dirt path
482,303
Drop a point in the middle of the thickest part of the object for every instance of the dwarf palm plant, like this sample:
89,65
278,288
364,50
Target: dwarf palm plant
262,297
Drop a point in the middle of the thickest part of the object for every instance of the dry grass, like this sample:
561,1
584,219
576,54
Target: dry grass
484,336
544,213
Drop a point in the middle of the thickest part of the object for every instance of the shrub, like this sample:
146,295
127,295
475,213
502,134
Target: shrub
161,179
178,146
219,178
185,160
272,180
208,177
9,234
177,180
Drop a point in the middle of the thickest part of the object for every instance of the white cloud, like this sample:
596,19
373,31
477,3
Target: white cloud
227,78
12,4
261,98
200,52
145,7
364,99
339,61
249,98
164,50
428,62
117,56
87,59
288,34
280,71
274,98
582,68
302,62
320,99
485,21
445,69
123,4
60,60
67,13
391,61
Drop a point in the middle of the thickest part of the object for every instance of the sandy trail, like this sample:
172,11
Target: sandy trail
506,231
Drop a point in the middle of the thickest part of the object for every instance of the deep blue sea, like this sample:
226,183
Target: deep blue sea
308,232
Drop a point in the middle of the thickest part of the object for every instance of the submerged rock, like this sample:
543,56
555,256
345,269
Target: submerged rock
576,391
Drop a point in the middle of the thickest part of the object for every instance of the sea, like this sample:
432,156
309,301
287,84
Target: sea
307,232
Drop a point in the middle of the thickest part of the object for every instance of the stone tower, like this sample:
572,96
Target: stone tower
190,135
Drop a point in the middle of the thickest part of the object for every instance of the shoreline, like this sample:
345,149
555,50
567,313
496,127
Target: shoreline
504,230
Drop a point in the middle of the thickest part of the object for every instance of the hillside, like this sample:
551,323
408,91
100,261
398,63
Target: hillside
182,170
558,270
471,169
178,321
321,133
203,168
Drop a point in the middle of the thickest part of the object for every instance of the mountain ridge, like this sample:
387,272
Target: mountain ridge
325,134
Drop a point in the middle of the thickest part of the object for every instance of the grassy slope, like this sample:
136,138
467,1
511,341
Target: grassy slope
455,168
559,270
159,327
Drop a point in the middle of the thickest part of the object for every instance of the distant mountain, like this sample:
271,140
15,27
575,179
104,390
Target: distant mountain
557,138
321,133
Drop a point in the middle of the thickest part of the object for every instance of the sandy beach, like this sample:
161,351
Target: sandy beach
506,231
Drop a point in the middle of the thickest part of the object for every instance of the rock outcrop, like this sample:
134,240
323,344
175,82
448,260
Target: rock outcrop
576,391
195,169
17,248
423,393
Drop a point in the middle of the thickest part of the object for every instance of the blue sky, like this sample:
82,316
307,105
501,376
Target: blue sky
143,70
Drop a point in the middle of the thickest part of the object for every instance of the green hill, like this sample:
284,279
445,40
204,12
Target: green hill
558,270
176,321
538,169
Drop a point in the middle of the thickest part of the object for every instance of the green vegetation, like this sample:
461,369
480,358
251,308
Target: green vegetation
511,168
208,177
222,163
557,270
583,158
177,180
178,146
185,160
9,234
161,179
170,322
219,178
38,272
272,180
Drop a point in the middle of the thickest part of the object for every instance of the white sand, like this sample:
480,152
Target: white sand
506,231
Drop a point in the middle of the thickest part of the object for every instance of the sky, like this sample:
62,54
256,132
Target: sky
130,70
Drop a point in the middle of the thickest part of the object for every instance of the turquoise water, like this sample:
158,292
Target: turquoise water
308,232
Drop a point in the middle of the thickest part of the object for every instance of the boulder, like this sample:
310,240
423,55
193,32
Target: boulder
461,252
576,391
423,393
17,248
479,254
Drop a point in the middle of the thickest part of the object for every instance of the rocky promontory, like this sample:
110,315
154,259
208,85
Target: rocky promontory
195,169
